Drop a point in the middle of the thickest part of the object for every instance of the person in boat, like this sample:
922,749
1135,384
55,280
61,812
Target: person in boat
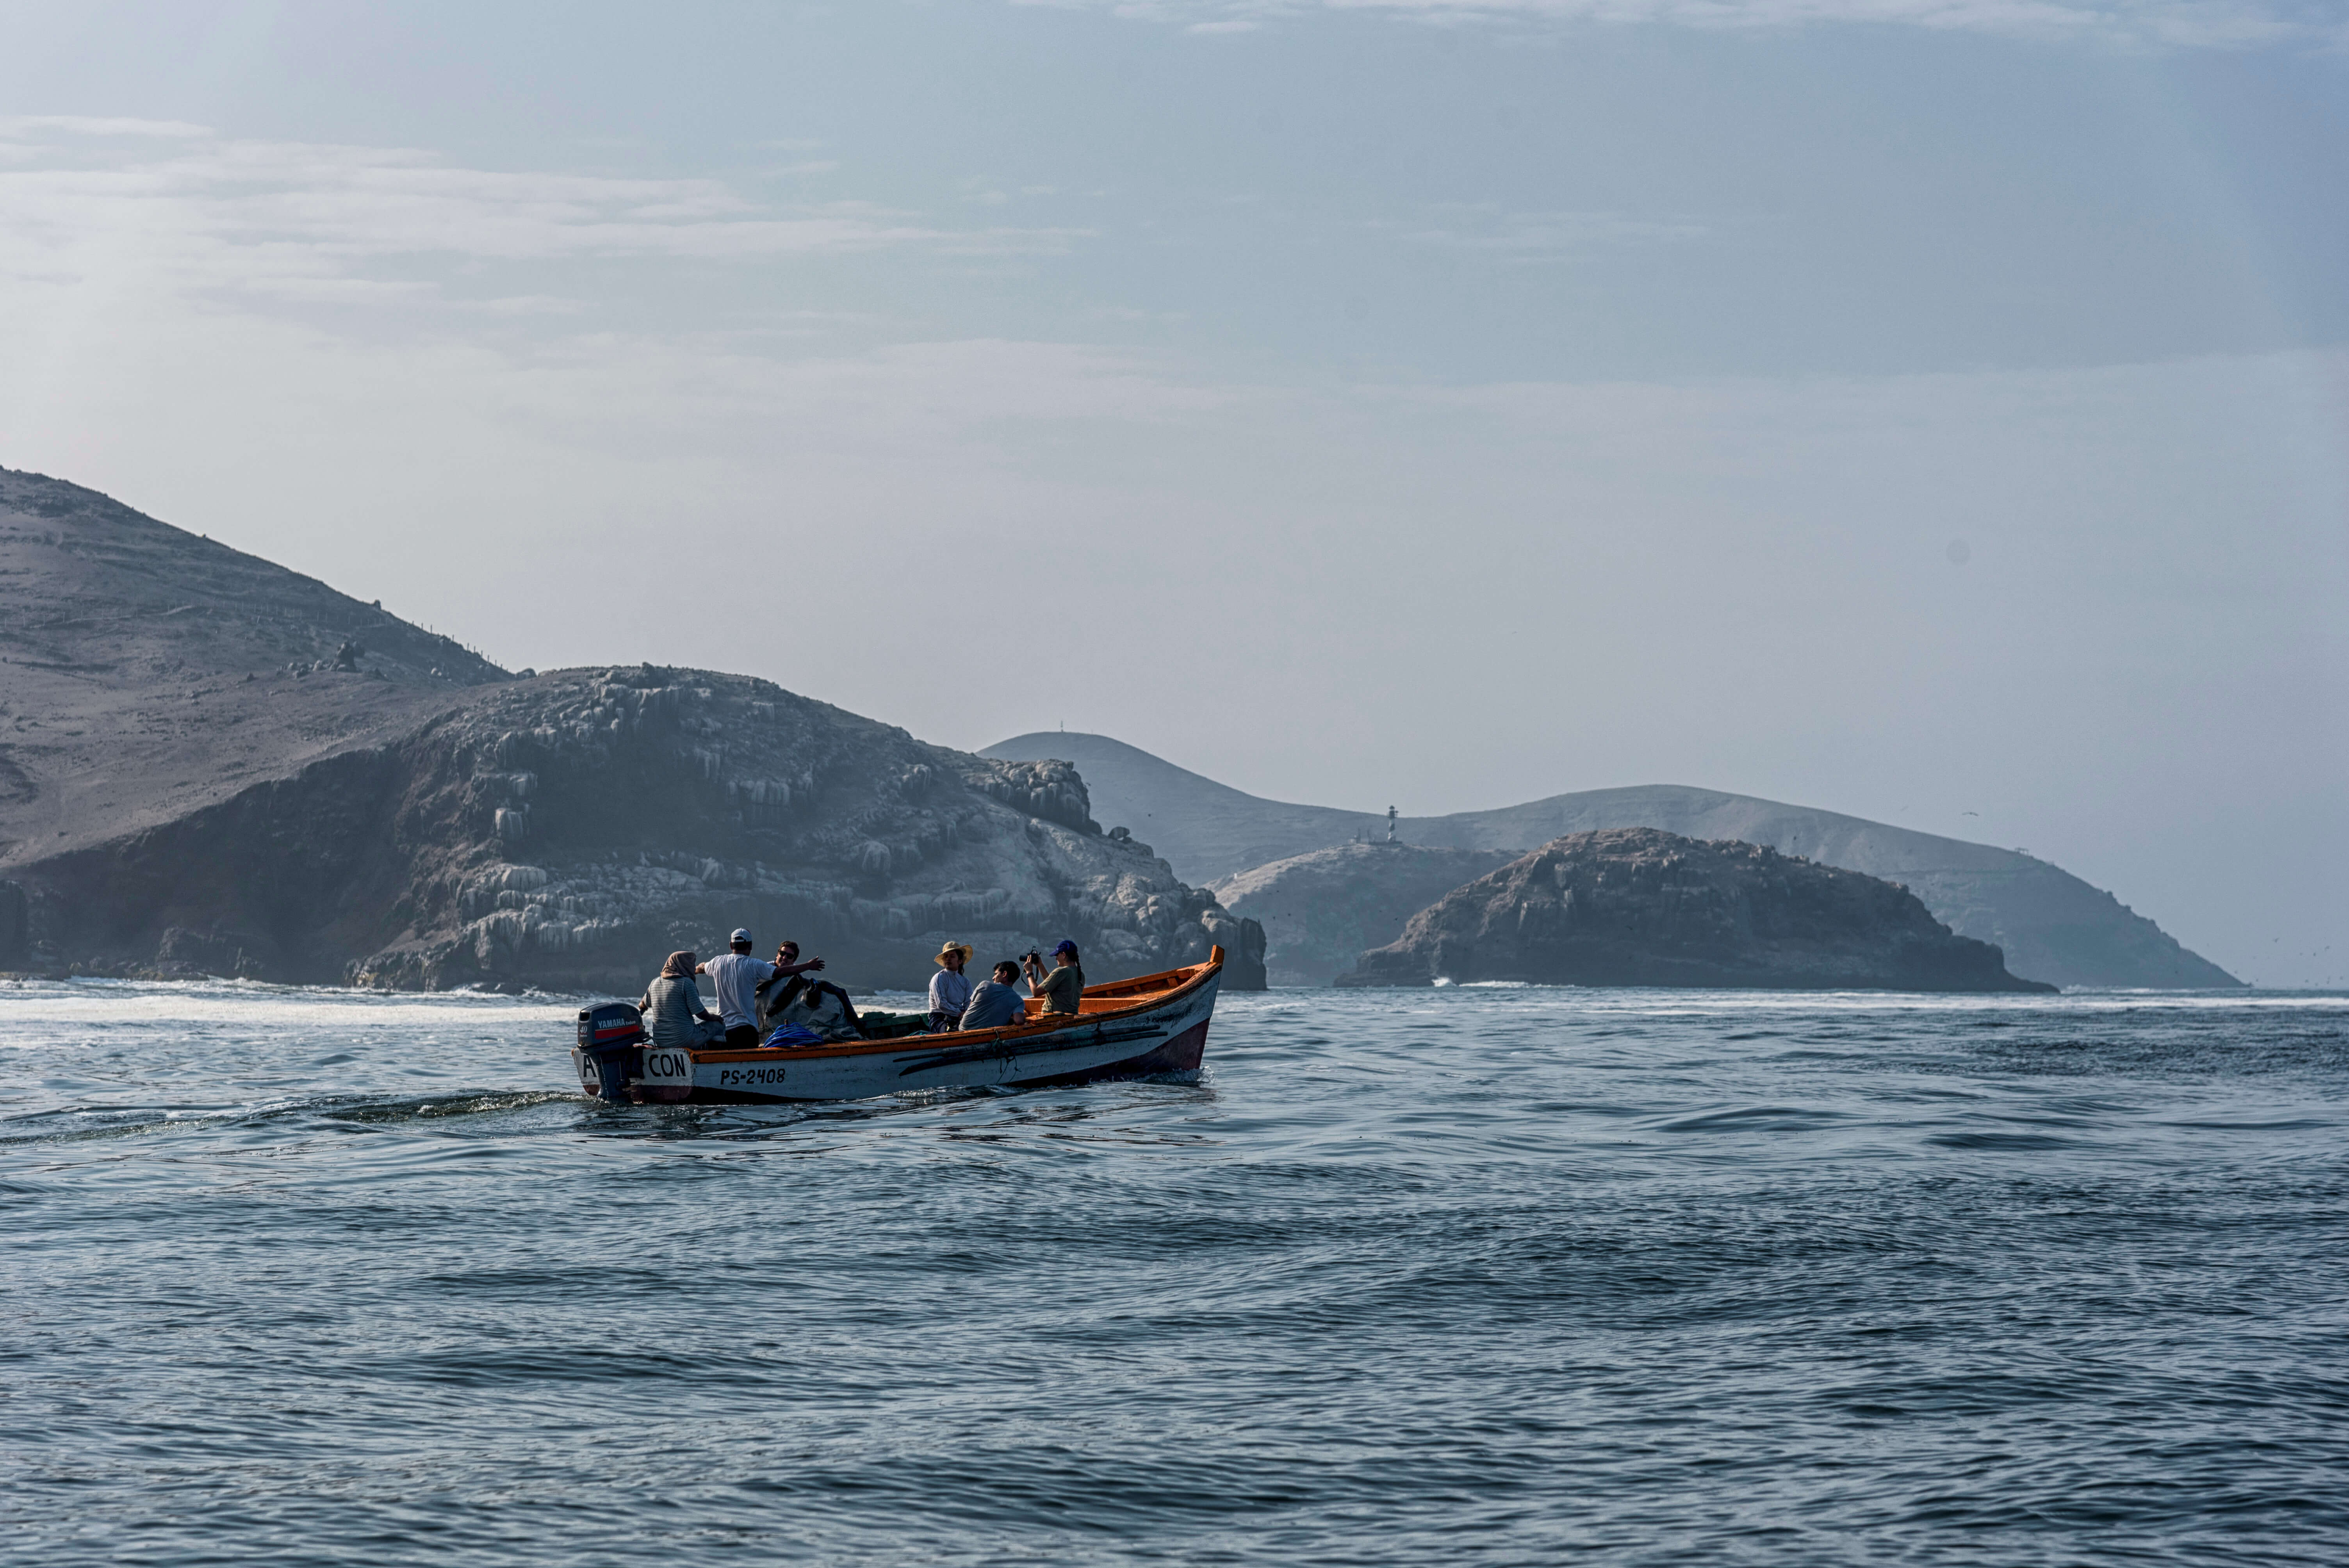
791,977
737,977
950,987
672,1007
996,1002
1061,987
816,1007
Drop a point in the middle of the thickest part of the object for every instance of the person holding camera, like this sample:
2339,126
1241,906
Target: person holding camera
1061,987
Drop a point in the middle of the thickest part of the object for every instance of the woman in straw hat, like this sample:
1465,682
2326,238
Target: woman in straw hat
950,987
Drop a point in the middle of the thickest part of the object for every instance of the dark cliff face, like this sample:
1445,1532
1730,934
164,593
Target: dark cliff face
1639,907
210,764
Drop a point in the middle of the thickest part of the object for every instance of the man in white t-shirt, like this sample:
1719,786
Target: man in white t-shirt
735,977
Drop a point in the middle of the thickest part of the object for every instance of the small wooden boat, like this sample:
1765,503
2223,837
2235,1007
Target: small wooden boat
1128,1029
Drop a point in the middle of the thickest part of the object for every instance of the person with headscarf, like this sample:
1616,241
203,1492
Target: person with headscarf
674,1014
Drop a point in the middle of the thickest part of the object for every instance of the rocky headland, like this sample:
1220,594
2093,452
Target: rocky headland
2052,925
211,766
1636,906
1320,910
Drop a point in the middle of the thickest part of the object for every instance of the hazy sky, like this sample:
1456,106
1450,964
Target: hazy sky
1914,408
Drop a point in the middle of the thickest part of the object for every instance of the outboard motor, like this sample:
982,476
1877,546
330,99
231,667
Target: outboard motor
612,1036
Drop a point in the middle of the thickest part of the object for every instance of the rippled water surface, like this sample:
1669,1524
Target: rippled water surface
1476,1275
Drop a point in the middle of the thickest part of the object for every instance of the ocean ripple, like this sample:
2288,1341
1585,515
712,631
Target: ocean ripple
1493,1274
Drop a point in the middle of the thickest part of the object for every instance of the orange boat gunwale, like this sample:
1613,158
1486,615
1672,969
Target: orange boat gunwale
1147,992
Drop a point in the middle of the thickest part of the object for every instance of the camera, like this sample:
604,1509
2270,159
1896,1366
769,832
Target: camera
1031,957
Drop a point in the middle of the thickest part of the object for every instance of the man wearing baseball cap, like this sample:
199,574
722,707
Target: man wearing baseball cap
1063,986
735,977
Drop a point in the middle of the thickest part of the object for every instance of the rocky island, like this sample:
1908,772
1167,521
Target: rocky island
210,765
1636,906
1320,910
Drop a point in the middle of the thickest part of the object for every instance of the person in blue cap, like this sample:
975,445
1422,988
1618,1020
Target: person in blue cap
1061,987
735,977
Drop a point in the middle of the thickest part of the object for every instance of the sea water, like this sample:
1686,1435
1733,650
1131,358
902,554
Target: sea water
1476,1275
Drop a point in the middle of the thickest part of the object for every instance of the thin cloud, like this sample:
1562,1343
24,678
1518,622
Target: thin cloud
1014,241
22,125
1535,237
187,209
525,306
2179,24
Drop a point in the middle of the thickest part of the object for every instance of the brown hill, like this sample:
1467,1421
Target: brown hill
1635,906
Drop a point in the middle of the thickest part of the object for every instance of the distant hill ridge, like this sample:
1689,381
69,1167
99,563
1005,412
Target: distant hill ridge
2052,925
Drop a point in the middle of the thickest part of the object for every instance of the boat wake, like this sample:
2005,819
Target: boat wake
84,1123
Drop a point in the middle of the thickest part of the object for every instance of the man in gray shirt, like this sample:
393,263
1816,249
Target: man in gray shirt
996,1002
